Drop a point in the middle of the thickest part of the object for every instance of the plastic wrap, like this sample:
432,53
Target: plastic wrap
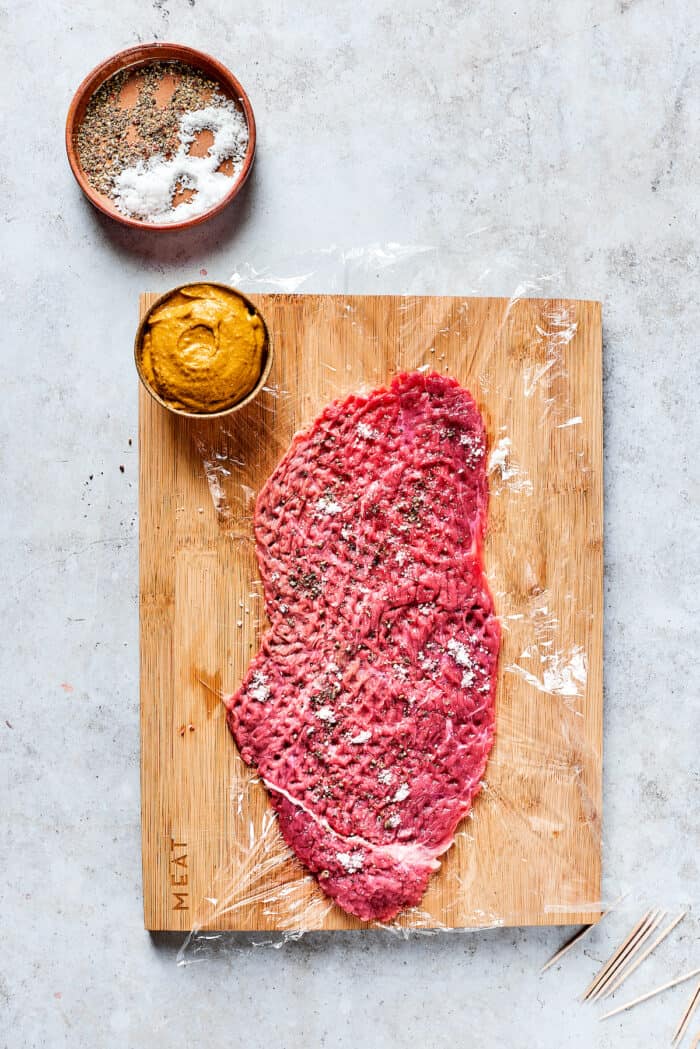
542,647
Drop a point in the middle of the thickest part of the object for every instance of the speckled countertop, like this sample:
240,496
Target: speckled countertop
541,142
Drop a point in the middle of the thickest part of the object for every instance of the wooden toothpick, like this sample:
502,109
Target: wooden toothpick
605,968
659,939
686,1017
584,931
651,994
628,954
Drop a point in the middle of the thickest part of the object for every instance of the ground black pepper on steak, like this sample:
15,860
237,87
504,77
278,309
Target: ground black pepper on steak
369,710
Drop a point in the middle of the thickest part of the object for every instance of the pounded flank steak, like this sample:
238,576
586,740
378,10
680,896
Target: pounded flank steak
369,709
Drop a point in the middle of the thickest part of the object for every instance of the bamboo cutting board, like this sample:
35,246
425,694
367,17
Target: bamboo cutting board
530,852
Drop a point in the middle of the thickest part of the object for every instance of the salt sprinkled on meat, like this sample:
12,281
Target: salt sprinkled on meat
459,652
386,777
327,715
462,657
260,690
327,505
367,432
352,861
361,737
473,447
428,665
402,793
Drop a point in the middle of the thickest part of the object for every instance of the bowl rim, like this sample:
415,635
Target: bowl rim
137,56
203,416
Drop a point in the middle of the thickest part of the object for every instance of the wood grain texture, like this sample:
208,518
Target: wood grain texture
530,852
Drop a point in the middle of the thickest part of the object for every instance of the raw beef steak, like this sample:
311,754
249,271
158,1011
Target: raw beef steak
369,710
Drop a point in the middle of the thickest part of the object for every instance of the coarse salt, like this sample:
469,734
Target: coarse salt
327,505
259,689
146,189
498,460
351,861
459,652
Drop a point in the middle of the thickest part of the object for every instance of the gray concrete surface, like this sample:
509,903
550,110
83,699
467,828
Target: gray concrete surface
523,140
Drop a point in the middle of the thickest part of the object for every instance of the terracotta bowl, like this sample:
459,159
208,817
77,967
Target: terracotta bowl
267,358
135,58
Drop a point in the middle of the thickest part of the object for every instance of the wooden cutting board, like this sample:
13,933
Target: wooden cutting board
530,852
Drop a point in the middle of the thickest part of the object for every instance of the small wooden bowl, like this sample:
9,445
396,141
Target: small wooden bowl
135,58
267,359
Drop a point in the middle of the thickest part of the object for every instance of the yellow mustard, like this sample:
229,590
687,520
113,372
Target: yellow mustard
202,349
